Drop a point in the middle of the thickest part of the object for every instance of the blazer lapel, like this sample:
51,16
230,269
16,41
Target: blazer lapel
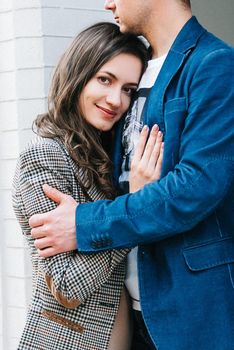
185,41
153,109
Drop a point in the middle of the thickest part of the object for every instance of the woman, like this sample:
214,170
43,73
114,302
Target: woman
78,301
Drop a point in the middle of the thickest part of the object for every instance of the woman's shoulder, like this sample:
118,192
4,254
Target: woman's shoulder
45,150
39,142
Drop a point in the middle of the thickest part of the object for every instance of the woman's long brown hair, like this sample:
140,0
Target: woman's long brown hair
89,51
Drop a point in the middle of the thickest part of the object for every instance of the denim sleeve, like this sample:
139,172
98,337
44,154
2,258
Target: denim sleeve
197,184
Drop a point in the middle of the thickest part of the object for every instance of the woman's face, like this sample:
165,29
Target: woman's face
107,96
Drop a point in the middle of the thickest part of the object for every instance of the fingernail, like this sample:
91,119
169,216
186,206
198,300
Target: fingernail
160,134
155,127
145,127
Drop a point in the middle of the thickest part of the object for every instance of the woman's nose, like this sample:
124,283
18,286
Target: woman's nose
114,98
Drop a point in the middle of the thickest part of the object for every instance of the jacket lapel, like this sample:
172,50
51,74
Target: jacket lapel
185,41
153,110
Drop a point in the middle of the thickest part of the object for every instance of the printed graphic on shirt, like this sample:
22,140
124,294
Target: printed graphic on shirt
132,127
134,119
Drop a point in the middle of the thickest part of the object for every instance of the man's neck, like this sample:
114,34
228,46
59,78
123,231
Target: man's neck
162,33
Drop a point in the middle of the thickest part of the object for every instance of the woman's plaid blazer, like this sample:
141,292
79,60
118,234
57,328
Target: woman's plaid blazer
75,297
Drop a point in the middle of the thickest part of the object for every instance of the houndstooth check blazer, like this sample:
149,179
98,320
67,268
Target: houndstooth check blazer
75,297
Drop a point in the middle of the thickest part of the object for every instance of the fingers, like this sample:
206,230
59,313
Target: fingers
44,247
54,194
37,220
141,144
154,156
158,168
38,232
42,243
150,145
145,145
48,252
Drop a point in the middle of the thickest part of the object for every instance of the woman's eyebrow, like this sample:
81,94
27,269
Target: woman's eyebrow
114,77
109,73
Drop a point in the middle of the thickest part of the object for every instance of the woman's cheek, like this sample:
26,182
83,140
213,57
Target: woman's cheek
126,104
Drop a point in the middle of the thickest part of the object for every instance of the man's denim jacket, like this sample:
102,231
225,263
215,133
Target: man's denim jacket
183,223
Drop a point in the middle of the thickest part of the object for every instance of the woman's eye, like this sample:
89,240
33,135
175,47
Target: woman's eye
104,80
129,91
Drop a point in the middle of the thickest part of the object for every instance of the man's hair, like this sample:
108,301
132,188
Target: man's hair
186,3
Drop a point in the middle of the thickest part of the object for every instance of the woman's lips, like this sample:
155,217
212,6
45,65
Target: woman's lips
107,112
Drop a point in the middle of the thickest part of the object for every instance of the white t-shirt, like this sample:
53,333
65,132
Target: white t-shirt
132,128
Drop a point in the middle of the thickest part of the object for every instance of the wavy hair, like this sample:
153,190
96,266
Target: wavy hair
88,147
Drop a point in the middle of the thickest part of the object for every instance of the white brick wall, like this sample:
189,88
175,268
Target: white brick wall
33,33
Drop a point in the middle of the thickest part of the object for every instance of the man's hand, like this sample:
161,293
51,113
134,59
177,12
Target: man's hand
54,231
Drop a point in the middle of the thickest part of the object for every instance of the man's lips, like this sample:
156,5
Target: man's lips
108,112
117,19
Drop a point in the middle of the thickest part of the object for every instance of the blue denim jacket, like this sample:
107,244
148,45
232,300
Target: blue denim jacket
183,223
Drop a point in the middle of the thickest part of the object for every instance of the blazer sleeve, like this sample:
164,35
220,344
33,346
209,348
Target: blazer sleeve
71,277
197,185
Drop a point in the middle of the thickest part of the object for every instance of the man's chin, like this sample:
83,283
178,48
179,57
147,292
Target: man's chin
124,29
121,28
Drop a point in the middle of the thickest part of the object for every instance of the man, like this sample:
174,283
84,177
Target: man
183,224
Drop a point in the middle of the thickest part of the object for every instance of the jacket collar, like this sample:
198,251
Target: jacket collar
188,36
